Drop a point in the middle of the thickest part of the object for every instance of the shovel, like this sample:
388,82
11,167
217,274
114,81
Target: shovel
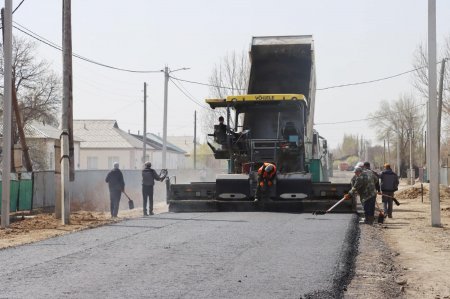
324,212
393,198
130,202
380,213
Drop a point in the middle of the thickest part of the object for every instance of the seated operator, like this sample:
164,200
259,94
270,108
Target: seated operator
266,175
220,131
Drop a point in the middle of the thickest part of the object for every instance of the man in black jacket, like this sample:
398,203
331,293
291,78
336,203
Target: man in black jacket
149,176
389,184
116,186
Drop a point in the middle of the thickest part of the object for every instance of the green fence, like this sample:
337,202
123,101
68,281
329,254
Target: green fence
21,192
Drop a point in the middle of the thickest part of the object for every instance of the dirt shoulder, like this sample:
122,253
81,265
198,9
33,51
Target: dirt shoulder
405,257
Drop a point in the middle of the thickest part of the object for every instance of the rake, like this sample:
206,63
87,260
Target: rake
329,210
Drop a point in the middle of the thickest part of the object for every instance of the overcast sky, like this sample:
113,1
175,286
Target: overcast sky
354,41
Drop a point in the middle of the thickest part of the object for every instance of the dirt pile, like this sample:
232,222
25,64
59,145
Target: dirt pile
415,192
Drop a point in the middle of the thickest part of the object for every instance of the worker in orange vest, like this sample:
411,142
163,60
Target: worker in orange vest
266,175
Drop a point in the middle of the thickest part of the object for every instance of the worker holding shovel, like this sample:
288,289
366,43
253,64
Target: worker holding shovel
365,187
389,184
149,176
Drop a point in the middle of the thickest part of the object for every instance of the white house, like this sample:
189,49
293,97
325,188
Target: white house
41,140
176,157
103,143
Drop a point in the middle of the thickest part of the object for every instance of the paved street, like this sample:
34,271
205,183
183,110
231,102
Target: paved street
187,255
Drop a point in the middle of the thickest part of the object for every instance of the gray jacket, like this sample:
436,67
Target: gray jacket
149,176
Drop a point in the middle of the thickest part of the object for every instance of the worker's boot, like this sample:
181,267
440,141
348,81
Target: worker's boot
371,219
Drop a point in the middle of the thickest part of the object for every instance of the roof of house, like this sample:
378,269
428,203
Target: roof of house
157,142
36,129
103,134
107,134
186,143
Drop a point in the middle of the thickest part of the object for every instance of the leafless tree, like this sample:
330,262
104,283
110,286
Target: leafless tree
228,77
397,120
38,88
420,78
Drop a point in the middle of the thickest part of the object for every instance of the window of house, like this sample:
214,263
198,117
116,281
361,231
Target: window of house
92,162
111,161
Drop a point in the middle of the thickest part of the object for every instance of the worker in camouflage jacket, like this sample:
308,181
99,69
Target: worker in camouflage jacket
364,185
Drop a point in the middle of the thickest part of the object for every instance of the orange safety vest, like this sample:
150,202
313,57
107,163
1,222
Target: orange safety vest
265,175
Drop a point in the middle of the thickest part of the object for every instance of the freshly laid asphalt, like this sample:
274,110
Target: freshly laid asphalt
189,255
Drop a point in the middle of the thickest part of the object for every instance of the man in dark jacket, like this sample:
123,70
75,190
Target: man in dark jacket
116,186
389,184
149,176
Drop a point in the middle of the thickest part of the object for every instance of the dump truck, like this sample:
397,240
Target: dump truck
273,122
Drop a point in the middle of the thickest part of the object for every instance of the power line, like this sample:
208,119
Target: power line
323,88
362,119
188,96
37,37
205,84
17,7
372,81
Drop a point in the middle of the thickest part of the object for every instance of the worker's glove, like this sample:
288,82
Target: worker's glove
347,196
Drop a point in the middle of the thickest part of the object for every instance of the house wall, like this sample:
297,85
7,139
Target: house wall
174,160
125,158
131,158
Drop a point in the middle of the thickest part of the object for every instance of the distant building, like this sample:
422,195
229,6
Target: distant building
175,156
103,143
40,139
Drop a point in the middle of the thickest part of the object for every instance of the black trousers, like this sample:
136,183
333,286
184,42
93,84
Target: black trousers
147,193
114,197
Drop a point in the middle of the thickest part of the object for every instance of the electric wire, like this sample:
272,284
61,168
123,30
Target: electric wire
363,119
323,88
17,7
49,43
188,96
204,84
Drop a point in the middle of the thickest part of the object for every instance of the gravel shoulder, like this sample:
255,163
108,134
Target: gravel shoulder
405,257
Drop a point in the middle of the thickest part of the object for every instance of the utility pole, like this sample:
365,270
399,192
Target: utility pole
195,139
144,137
384,151
432,119
167,72
411,174
164,148
7,83
67,155
441,88
389,149
398,154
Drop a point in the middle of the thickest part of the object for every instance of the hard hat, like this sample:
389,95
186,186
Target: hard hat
268,168
359,164
358,169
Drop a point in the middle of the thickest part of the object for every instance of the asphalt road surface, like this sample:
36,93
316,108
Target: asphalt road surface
189,255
